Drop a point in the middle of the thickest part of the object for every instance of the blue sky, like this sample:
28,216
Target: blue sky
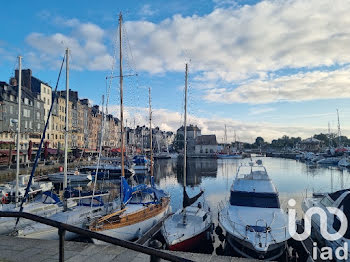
263,68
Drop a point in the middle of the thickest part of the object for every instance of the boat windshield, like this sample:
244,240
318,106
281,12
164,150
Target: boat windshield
253,199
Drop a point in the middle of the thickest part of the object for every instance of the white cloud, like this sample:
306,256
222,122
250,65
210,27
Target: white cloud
246,131
249,42
147,10
299,87
260,110
86,43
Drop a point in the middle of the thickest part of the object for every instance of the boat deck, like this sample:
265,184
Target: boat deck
36,250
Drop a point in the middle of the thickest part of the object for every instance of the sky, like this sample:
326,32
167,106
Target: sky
262,68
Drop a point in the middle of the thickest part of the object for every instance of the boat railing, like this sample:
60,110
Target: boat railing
63,228
238,227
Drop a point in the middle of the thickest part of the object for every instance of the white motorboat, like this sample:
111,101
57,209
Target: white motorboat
339,199
7,191
162,155
329,161
107,171
344,162
71,177
255,225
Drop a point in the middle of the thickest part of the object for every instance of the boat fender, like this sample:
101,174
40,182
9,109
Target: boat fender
139,233
218,230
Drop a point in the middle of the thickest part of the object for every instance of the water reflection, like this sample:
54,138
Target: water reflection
292,178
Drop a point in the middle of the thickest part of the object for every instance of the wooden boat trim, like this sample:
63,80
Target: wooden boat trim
122,220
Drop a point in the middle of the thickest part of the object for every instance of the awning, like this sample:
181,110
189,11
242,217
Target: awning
52,151
6,152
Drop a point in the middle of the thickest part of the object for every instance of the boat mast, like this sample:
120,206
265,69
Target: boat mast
67,123
18,123
150,128
185,132
100,149
121,94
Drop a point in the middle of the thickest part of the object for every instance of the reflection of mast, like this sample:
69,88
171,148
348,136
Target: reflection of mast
331,180
225,140
339,133
329,135
342,179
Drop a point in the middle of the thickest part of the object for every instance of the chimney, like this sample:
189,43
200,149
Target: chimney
13,81
26,78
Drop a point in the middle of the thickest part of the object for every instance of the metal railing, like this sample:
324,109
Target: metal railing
62,228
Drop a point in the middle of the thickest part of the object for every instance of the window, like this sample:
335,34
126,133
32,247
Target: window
44,100
37,115
26,101
26,112
252,199
38,126
11,109
25,124
12,98
30,124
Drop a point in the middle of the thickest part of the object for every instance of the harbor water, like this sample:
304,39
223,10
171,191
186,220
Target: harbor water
293,179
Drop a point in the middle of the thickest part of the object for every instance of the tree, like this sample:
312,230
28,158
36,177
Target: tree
259,141
178,143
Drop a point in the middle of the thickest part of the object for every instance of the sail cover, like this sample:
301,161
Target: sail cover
187,201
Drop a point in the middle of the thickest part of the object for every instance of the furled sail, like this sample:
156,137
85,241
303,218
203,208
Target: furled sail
187,201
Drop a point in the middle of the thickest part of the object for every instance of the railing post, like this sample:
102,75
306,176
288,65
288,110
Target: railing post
156,245
61,233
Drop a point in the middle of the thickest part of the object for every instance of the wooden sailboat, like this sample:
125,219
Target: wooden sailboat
141,206
189,226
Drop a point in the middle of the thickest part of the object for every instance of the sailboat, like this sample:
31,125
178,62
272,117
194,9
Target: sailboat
45,204
88,207
192,224
227,154
160,154
141,206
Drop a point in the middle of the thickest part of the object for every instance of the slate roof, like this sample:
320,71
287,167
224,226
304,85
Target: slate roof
206,140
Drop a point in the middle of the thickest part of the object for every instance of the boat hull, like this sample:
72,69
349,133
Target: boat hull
191,243
229,156
247,250
133,225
